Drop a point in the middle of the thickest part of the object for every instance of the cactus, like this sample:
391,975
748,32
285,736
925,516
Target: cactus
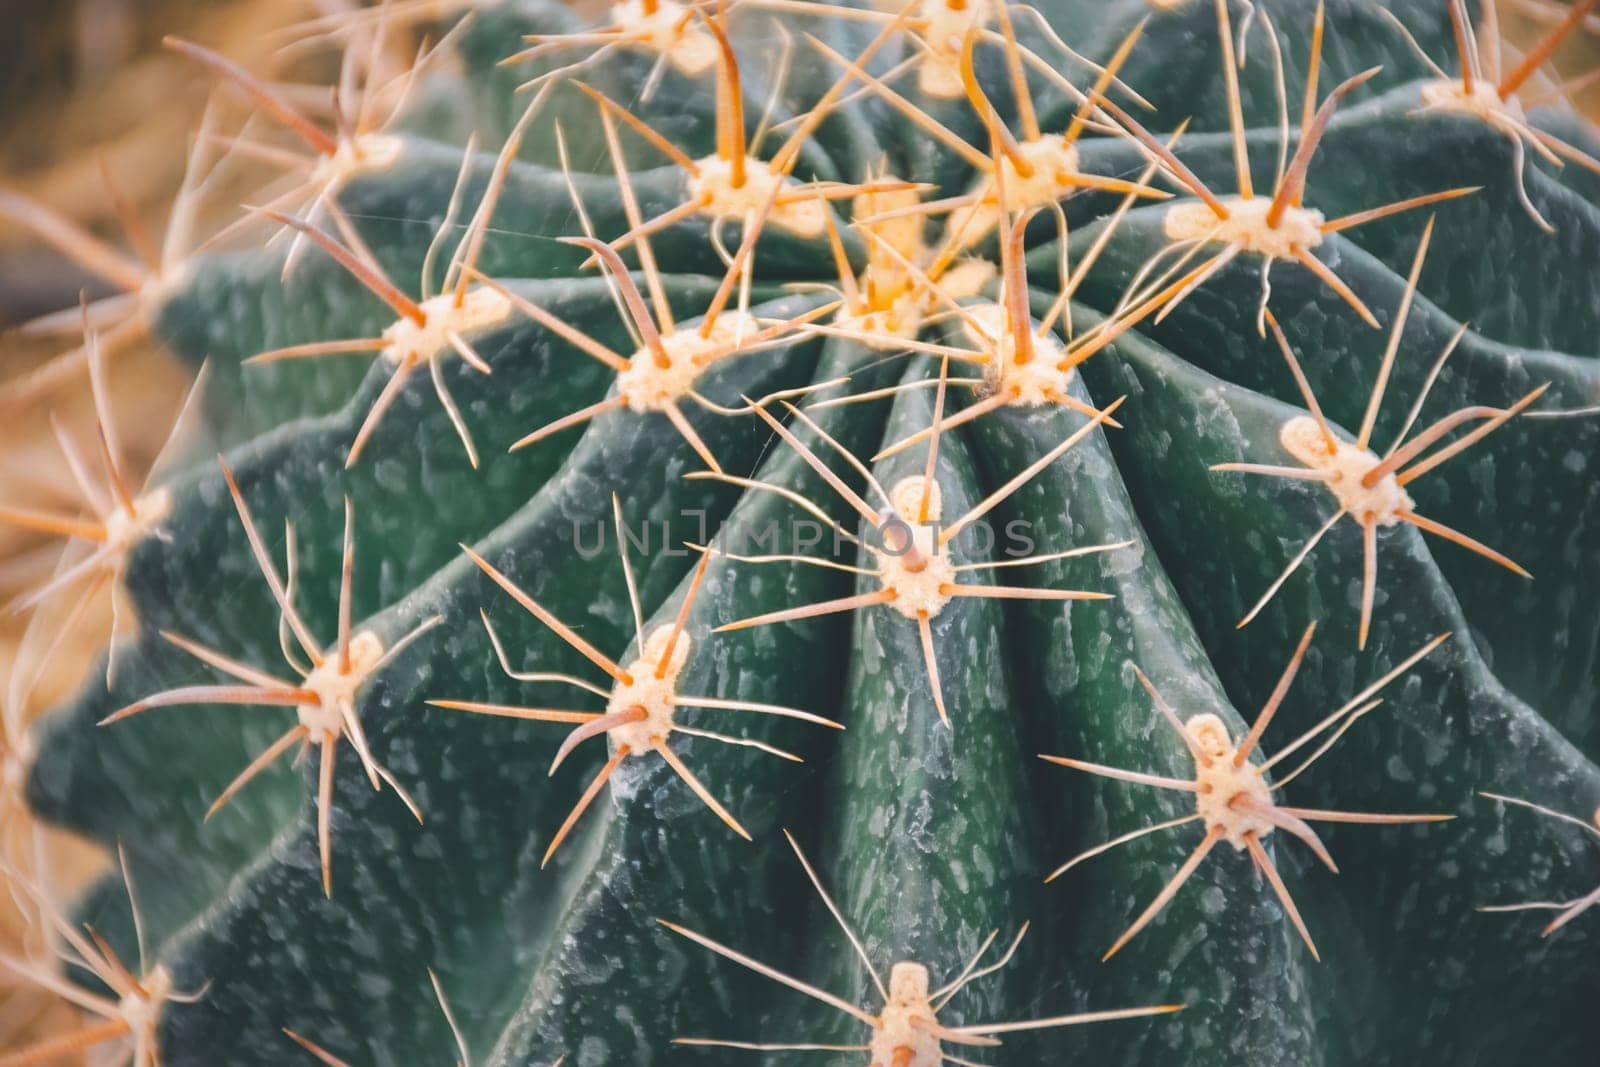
673,538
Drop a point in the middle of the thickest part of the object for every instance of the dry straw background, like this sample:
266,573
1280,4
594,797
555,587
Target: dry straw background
86,84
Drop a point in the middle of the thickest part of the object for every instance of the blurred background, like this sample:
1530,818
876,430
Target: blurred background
86,91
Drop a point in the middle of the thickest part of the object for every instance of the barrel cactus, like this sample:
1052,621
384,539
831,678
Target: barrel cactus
683,465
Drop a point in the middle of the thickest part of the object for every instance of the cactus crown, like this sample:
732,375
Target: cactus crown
954,387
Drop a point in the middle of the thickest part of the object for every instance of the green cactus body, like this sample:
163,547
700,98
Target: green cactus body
928,836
